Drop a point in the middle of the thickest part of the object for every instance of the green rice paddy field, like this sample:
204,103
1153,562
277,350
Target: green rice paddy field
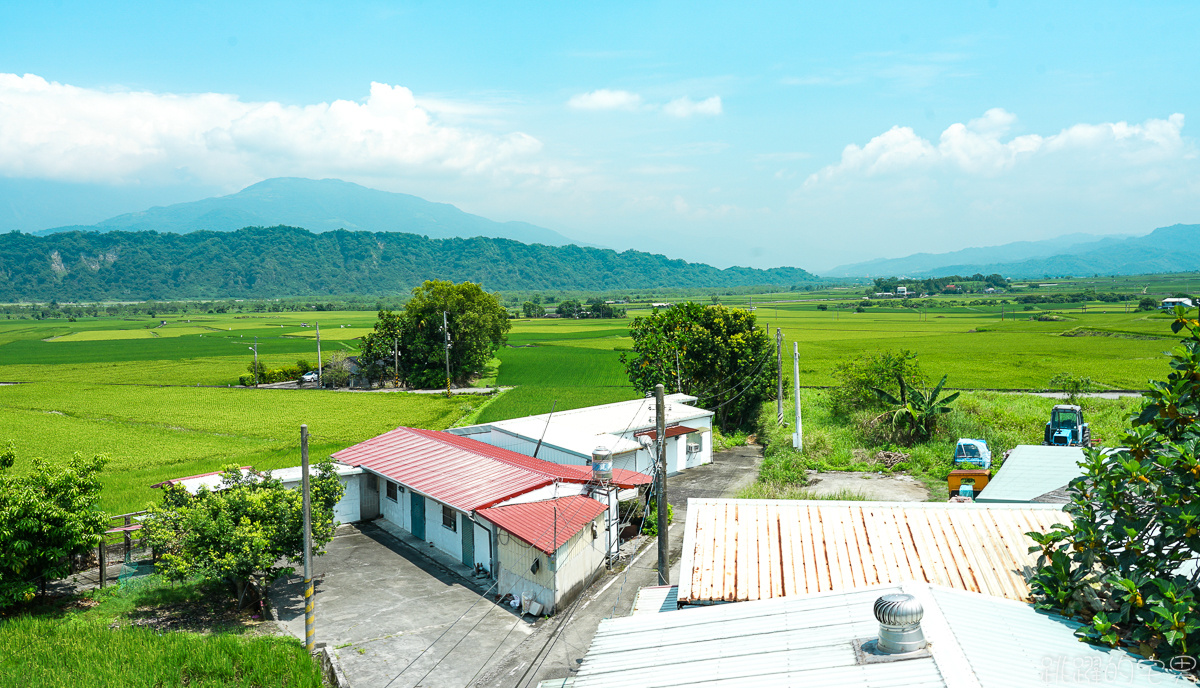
162,400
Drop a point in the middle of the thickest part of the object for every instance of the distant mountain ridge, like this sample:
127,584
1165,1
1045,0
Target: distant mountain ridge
1166,249
273,262
320,206
926,264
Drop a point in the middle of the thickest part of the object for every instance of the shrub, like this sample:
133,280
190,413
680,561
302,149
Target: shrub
859,375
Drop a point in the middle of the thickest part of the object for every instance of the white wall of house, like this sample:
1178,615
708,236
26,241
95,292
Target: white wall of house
560,577
438,535
483,544
542,494
349,507
397,511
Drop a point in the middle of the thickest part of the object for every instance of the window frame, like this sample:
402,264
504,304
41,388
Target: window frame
449,514
392,491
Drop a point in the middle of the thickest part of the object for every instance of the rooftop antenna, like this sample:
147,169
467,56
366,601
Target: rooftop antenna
548,417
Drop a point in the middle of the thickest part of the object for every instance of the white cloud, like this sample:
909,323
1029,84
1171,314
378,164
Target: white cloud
604,99
686,107
979,148
57,131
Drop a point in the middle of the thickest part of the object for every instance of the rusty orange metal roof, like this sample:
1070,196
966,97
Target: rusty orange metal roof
671,431
546,525
461,474
749,549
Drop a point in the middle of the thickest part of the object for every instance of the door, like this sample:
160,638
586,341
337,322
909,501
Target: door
418,514
468,542
370,496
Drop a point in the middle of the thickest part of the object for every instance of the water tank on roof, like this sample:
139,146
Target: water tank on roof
602,465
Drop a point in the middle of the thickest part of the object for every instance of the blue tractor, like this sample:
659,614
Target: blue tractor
1067,428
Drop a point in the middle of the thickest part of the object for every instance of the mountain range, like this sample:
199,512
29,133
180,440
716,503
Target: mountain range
273,262
1166,249
320,205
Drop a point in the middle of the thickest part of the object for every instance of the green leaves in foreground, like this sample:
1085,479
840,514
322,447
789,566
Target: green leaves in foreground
46,516
239,533
1126,563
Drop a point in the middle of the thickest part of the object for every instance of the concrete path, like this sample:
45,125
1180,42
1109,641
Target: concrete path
393,613
555,647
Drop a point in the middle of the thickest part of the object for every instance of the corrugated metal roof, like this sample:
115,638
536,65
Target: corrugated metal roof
747,549
193,483
1031,471
424,460
622,478
805,641
655,599
672,431
546,525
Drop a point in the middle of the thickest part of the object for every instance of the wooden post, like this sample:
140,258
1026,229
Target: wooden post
103,563
128,540
309,612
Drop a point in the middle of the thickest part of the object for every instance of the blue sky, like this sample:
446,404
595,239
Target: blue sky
761,134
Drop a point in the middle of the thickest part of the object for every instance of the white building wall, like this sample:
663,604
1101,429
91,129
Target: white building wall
483,544
542,494
449,541
522,445
349,507
577,560
395,511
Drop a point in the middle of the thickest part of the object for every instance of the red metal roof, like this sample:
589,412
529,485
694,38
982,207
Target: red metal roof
622,478
672,431
538,523
449,471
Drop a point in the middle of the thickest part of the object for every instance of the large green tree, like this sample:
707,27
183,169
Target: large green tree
1126,564
46,515
378,349
478,325
716,353
242,534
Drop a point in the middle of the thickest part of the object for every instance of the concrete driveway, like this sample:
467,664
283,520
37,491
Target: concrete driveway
388,609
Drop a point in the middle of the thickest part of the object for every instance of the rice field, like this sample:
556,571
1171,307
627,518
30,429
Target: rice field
165,406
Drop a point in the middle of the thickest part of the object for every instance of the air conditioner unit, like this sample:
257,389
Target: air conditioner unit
693,448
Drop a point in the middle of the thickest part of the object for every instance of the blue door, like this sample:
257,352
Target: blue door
468,542
418,514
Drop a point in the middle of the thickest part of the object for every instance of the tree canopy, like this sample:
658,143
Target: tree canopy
240,533
478,326
46,516
716,353
1127,562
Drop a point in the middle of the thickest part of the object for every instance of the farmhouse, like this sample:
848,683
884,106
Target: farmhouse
568,437
1168,304
748,549
953,638
541,529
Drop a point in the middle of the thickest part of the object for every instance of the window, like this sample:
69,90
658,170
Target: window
449,518
391,490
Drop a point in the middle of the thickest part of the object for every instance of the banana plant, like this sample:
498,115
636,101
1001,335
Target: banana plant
916,411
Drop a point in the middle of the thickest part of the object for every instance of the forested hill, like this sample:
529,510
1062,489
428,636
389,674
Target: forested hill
258,262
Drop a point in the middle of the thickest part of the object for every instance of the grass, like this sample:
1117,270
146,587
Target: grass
155,433
843,444
119,637
777,490
528,401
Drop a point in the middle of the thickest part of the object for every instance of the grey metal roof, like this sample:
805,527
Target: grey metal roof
1031,471
976,640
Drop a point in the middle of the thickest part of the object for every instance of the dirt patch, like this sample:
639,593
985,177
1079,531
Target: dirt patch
874,486
202,615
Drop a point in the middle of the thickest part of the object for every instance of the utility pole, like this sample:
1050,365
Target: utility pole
446,330
779,360
396,362
255,350
660,410
309,612
678,384
798,437
319,354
